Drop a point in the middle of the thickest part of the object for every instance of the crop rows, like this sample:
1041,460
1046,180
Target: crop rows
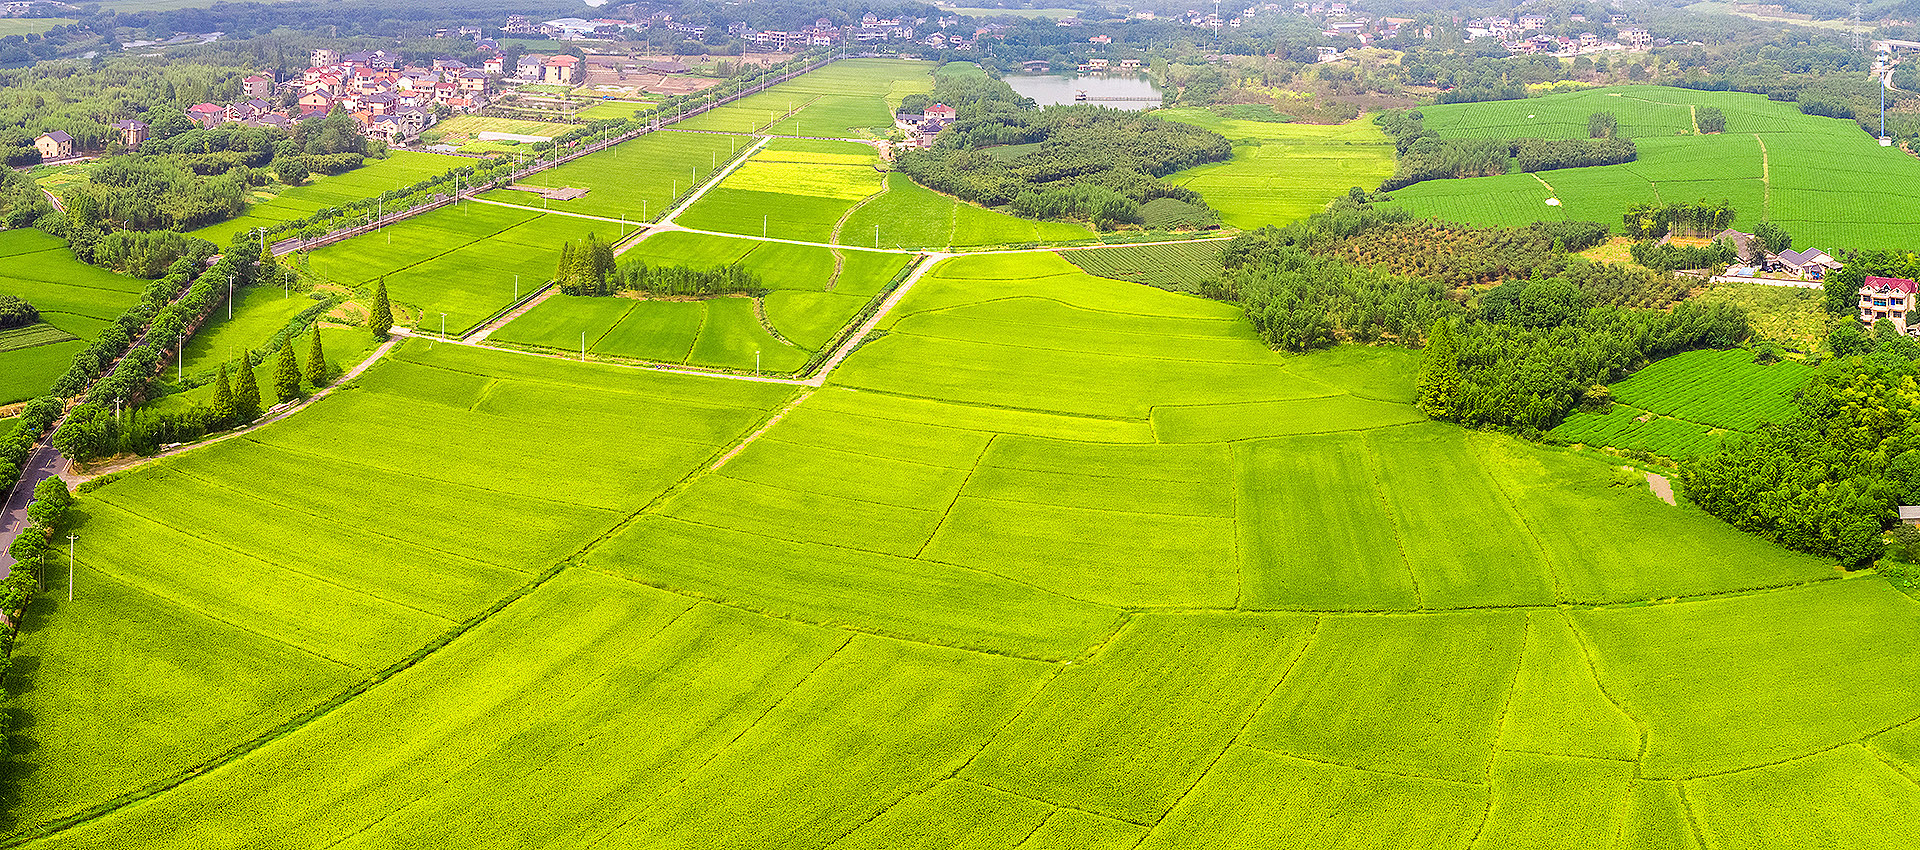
1629,427
1725,389
1179,267
13,339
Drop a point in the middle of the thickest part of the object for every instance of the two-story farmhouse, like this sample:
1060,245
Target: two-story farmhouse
1889,298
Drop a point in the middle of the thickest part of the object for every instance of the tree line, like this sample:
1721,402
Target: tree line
1084,162
1424,155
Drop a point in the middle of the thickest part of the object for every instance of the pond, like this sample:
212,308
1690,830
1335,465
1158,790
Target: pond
1120,91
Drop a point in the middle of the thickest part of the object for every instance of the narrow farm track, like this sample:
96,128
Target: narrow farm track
481,333
621,221
1766,180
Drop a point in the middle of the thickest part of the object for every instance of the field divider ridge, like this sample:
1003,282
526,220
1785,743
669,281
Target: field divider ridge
1306,645
1386,507
854,340
1906,771
513,311
1500,725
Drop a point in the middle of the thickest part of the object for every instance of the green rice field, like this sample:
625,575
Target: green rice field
852,98
1685,405
1179,267
784,191
812,296
1802,172
466,261
1277,631
76,301
400,168
635,180
1285,172
1057,560
908,216
1061,556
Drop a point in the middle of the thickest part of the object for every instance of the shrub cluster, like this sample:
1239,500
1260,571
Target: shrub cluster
15,312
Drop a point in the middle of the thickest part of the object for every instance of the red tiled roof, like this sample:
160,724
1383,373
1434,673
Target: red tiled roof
1890,283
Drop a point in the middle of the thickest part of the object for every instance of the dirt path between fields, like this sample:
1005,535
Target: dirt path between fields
1766,180
1660,486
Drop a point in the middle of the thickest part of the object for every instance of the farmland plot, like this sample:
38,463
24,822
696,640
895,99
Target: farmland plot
466,262
908,215
932,605
1683,405
636,180
1802,172
1284,172
813,296
76,301
398,170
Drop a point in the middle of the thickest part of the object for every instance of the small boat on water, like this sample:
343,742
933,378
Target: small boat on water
1080,96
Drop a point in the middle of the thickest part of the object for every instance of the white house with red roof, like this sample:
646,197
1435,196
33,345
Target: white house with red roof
940,112
1888,298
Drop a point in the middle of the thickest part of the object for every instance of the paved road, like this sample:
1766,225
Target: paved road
44,463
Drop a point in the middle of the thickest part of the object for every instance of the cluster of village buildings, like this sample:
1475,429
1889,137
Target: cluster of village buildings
390,100
822,32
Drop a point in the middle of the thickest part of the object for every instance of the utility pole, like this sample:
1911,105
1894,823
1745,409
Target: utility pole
443,327
229,298
70,539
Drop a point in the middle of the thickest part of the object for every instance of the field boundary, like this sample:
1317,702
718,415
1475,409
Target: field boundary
289,726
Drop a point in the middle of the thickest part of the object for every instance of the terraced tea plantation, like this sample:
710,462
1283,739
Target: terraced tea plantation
1685,405
1802,172
1054,561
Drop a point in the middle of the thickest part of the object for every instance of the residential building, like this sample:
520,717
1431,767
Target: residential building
531,66
132,132
1889,298
471,82
494,65
1636,37
54,145
1811,264
562,70
322,57
257,86
207,114
941,112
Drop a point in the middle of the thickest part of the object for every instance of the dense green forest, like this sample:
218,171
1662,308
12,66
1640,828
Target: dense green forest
1080,162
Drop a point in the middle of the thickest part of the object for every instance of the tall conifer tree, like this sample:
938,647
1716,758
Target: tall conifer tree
286,374
223,396
246,393
316,361
1439,384
380,321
